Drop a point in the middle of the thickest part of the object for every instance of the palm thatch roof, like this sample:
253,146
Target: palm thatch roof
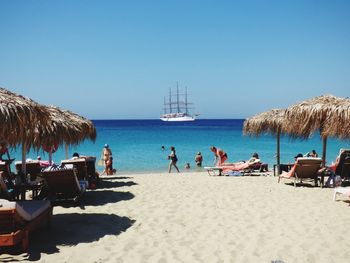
64,127
328,114
338,121
272,122
319,114
18,116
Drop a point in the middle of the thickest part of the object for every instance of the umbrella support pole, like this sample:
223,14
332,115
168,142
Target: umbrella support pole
66,149
278,156
24,157
324,141
50,158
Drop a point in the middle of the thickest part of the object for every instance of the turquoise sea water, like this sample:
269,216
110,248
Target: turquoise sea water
136,144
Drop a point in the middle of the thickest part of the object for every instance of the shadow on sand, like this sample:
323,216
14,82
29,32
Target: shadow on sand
113,177
70,230
108,184
97,198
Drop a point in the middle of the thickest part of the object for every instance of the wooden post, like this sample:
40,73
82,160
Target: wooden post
324,141
278,156
24,157
278,148
66,148
50,158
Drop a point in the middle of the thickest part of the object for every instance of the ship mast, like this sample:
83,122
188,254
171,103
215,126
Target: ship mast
164,105
186,104
170,107
178,104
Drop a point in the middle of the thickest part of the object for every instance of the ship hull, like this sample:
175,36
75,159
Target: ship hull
184,118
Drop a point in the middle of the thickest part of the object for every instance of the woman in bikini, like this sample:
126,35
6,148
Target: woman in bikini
220,156
106,154
173,159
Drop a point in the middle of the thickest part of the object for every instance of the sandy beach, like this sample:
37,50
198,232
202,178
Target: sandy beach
193,217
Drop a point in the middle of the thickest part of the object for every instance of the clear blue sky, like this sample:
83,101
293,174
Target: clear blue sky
117,59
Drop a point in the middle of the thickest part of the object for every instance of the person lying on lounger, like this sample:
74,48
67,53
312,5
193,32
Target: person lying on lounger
242,165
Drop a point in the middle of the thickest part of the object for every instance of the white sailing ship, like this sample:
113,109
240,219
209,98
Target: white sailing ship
176,107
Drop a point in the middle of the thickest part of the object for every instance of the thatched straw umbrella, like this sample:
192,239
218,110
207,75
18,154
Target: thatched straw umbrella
269,122
66,127
19,116
328,114
339,122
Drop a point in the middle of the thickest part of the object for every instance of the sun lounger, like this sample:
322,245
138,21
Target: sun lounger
7,192
19,219
33,168
85,167
343,167
213,171
64,185
5,167
305,168
243,167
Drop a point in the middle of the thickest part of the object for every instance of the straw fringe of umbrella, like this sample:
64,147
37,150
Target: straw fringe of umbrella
18,115
328,114
65,127
319,114
37,126
269,122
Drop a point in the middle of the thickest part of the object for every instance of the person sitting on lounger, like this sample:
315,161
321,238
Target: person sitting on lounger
331,170
220,156
313,153
291,172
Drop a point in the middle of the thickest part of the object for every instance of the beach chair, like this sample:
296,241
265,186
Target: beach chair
63,185
33,168
19,219
7,191
5,168
305,168
214,171
243,168
343,167
85,167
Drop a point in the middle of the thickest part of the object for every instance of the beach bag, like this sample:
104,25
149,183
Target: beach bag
234,173
337,181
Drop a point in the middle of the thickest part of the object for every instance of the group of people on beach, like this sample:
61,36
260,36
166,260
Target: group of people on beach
329,170
220,158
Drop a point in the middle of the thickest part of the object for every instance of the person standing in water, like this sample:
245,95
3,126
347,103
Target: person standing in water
173,159
198,159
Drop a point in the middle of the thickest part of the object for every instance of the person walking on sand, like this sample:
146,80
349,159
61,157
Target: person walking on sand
173,159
